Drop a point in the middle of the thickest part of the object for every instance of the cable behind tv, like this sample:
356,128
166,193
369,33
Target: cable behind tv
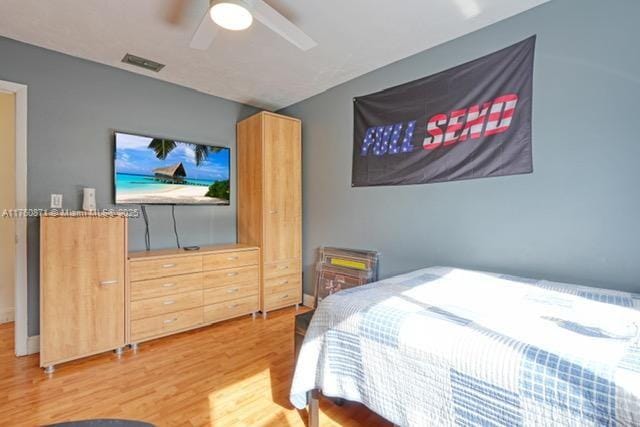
175,225
147,236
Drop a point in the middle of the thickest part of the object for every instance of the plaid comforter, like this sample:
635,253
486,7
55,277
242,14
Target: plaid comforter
443,346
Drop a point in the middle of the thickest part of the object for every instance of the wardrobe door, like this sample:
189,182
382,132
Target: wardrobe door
82,286
282,189
250,180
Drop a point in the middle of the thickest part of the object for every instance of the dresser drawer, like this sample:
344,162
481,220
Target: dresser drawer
167,304
157,268
230,309
229,276
167,323
230,260
281,268
230,292
167,286
282,299
284,286
283,283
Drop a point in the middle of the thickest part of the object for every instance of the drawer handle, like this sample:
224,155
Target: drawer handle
232,258
234,305
232,290
166,322
169,302
168,285
232,274
168,265
108,282
273,212
284,282
285,296
283,267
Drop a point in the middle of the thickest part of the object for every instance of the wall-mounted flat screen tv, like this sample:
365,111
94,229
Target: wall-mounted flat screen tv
164,171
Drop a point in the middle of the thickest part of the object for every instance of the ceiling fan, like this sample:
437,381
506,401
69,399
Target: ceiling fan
238,15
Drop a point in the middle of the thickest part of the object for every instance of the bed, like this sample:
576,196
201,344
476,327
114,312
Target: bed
444,346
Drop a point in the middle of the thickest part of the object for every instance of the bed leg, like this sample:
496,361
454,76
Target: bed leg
313,408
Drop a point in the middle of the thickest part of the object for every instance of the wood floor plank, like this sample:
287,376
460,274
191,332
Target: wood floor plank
236,373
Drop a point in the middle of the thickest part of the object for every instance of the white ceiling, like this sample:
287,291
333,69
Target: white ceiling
256,66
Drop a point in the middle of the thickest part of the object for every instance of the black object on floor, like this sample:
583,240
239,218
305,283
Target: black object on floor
102,423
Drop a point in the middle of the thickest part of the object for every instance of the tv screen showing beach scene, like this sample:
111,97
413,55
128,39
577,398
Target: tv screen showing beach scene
165,171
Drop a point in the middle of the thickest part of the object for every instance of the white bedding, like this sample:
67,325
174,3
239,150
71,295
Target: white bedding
443,346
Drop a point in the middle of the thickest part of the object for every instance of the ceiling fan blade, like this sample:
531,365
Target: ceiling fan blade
176,10
205,34
281,25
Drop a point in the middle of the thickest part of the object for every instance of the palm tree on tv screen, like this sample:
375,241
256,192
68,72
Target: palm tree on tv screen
162,148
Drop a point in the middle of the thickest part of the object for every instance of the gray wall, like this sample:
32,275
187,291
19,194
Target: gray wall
73,107
574,219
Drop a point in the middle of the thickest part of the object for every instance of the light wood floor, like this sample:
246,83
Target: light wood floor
237,373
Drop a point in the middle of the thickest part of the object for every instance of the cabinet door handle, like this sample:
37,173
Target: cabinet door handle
232,290
169,302
232,274
284,282
285,296
166,322
168,265
273,212
283,267
168,285
108,282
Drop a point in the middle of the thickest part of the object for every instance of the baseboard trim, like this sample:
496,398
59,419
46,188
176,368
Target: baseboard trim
309,301
33,344
7,315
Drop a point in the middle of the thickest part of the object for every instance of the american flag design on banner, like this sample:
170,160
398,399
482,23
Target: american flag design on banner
468,122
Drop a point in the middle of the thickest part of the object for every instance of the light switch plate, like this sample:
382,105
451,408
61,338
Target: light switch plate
56,201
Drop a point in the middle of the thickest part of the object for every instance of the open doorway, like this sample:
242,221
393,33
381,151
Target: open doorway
13,204
7,203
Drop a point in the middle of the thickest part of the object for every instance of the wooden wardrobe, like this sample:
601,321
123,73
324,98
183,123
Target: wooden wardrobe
270,204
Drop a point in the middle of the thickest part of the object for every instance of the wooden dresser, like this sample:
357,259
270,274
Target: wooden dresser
175,290
270,203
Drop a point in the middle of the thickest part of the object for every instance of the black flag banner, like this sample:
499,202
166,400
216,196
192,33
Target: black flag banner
468,122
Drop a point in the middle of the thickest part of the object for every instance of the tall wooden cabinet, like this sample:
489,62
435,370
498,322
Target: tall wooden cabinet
270,203
82,286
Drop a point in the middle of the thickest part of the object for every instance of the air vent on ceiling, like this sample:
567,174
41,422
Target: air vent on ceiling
142,62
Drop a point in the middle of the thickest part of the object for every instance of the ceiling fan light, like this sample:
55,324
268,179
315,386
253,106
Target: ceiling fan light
231,15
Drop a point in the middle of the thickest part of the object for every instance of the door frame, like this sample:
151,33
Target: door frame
21,307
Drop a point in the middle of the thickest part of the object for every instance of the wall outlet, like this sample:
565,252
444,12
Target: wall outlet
56,201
